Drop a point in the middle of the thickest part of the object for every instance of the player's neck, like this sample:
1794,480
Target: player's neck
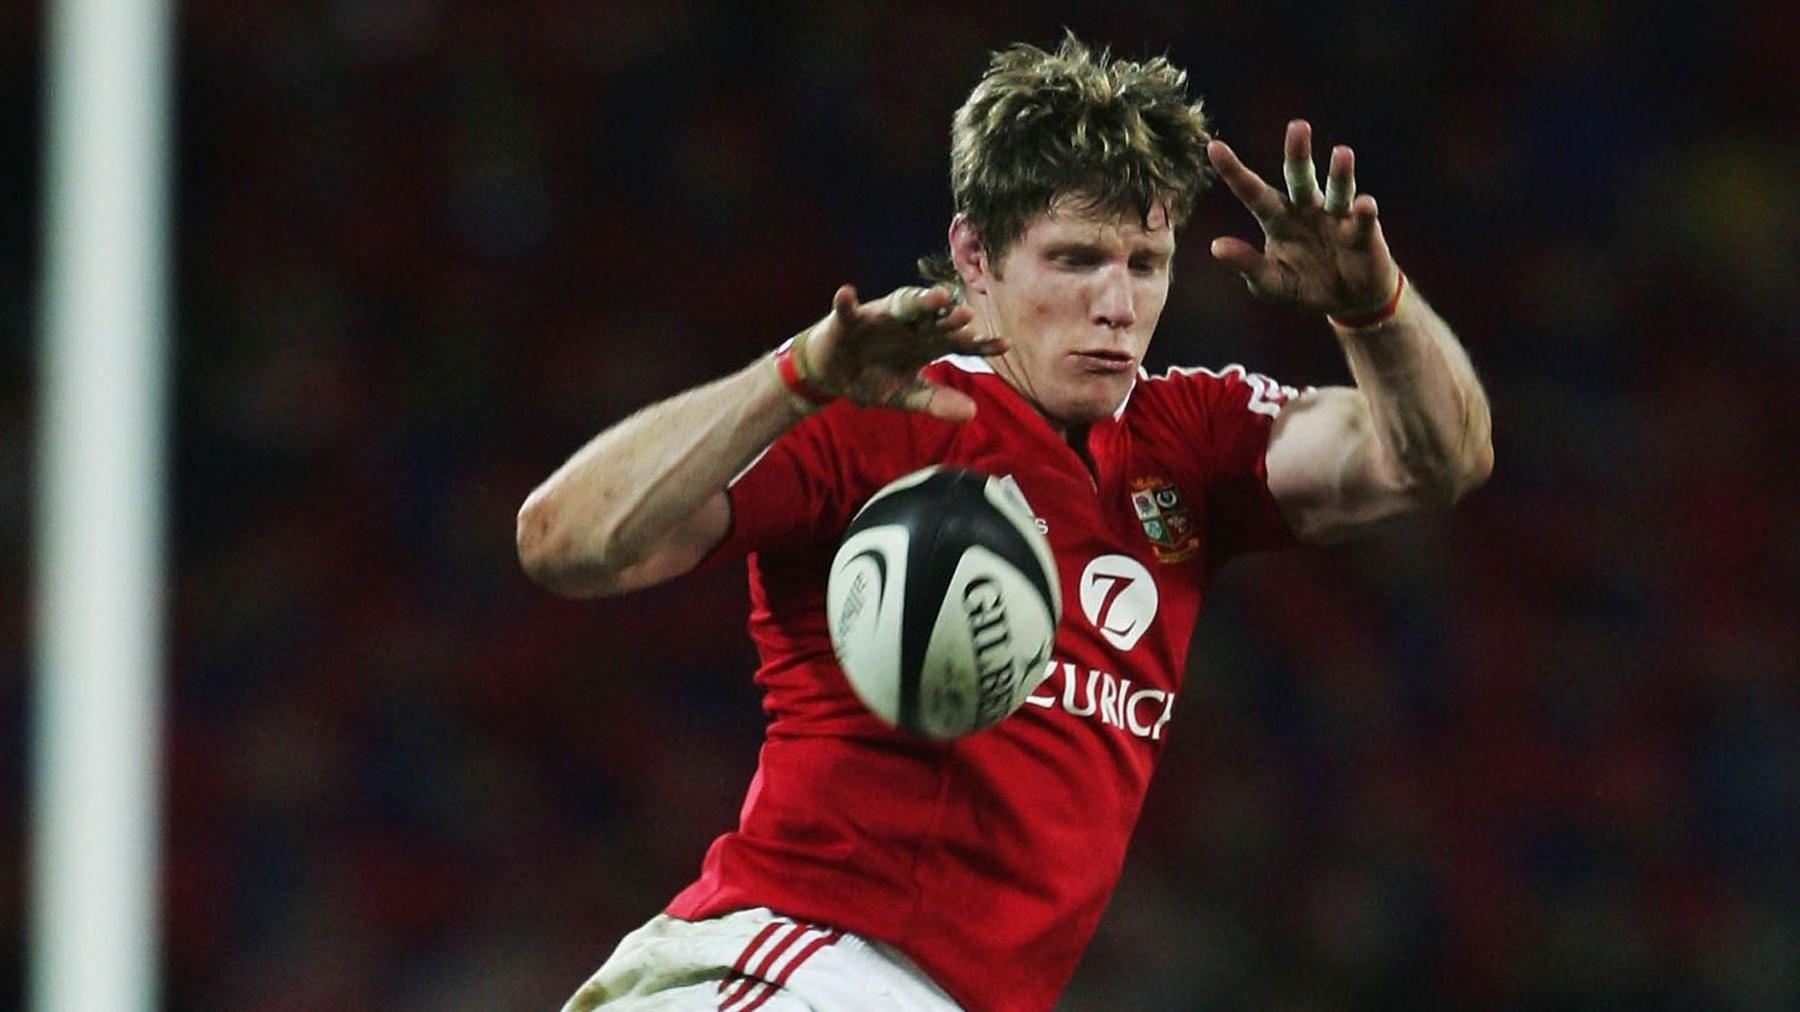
1008,369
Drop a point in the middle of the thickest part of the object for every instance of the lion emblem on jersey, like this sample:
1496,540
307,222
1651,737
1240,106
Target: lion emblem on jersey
1165,518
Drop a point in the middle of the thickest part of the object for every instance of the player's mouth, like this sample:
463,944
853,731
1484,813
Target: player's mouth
1105,360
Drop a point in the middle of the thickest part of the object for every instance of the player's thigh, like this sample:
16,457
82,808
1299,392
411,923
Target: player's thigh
675,965
755,960
703,998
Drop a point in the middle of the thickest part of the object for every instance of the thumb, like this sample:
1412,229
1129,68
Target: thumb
1236,254
843,305
1258,271
941,402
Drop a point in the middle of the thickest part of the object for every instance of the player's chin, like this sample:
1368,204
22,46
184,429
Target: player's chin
1095,398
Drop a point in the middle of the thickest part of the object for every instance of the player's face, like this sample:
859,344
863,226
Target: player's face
1077,297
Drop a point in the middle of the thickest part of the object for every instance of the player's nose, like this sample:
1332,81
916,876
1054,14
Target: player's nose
1113,304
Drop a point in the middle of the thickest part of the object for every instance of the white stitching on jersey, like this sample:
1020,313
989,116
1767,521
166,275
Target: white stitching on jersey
1266,395
967,363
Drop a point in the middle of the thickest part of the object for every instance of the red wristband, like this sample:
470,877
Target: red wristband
797,383
1377,315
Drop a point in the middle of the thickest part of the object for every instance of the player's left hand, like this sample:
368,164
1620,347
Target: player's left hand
1321,252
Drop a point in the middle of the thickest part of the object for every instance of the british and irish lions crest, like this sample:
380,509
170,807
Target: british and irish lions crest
1167,522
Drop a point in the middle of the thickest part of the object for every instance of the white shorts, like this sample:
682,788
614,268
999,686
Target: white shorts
756,959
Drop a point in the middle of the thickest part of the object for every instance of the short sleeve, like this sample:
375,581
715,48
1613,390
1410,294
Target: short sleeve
800,493
1236,412
787,496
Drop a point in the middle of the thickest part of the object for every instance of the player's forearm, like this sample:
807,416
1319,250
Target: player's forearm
1429,411
623,494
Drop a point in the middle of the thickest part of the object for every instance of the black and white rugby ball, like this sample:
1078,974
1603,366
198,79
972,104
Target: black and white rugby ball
943,601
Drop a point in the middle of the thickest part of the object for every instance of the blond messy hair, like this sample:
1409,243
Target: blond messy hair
1043,128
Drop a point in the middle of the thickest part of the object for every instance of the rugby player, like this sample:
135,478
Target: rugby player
872,870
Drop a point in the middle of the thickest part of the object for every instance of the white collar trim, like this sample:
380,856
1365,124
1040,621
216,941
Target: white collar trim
968,363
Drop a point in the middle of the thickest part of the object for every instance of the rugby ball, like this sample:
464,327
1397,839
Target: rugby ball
943,602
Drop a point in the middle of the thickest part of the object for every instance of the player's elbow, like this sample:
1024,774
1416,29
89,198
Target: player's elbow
1473,466
1473,463
1449,478
1480,467
542,545
552,556
531,537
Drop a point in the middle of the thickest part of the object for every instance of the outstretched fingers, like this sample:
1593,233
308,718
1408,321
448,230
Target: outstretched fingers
1340,181
912,304
1297,165
942,319
1367,217
882,345
1262,200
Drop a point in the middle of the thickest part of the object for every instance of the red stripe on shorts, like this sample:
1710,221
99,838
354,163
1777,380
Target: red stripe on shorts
802,956
755,977
737,968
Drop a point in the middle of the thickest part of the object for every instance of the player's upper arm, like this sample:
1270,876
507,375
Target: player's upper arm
1327,472
684,549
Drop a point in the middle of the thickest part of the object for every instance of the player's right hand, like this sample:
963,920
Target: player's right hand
871,352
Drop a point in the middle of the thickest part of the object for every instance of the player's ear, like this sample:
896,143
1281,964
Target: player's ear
967,253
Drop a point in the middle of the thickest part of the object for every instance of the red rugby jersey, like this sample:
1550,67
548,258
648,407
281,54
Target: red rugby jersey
989,859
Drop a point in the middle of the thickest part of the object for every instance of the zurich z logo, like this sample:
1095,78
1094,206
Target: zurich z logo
1119,598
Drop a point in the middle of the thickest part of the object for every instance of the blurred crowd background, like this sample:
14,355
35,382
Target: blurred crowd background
1541,752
